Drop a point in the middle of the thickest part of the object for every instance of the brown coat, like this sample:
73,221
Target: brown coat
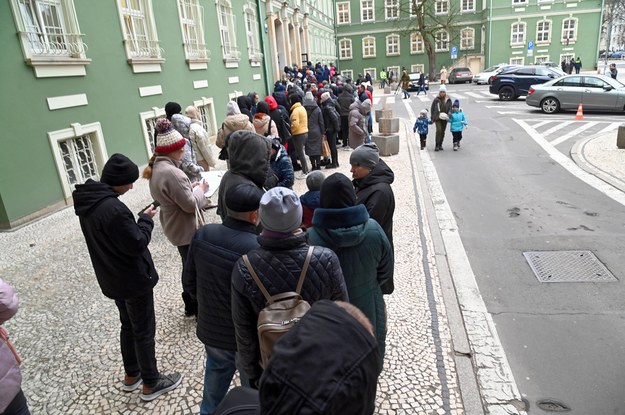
231,124
172,188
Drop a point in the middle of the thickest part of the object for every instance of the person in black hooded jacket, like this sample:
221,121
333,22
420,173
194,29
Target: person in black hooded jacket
245,105
118,247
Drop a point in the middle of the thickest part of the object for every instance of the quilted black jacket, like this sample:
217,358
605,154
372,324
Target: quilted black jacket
278,264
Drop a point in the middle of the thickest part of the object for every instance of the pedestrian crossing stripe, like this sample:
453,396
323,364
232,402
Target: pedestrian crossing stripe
573,133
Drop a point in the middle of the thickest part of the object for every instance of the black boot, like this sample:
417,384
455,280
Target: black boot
422,144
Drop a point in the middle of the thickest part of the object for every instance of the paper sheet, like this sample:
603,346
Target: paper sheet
213,178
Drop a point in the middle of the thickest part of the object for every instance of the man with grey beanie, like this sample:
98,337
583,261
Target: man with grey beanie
372,179
278,263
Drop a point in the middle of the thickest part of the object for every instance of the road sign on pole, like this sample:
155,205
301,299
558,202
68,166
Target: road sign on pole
530,48
454,52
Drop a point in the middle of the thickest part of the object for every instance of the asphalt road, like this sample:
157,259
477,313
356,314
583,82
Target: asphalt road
564,341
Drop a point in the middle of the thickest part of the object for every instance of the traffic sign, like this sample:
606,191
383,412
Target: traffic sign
454,52
530,48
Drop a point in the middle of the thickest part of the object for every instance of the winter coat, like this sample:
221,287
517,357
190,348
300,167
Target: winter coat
331,118
358,132
178,199
457,121
421,125
199,141
278,264
316,128
280,116
189,165
234,121
405,80
214,250
245,105
264,125
283,168
443,75
249,163
117,243
366,259
299,119
345,100
10,375
310,201
435,109
327,364
421,81
375,192
279,94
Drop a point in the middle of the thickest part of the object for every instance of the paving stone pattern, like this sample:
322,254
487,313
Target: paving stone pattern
67,331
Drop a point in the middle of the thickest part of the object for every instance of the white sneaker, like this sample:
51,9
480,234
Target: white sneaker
301,176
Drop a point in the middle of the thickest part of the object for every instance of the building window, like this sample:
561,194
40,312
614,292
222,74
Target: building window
231,54
391,9
569,31
416,43
342,13
140,38
468,5
394,70
417,68
368,47
392,45
367,11
347,73
207,114
192,25
566,57
251,29
79,153
442,6
441,39
372,72
519,2
467,39
49,33
543,31
541,59
517,33
516,61
416,7
345,49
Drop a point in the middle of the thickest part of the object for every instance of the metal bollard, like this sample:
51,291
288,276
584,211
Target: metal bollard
620,137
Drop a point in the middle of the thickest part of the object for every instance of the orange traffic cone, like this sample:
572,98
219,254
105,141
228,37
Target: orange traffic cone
580,112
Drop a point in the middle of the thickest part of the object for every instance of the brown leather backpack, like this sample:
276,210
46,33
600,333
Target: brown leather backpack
281,312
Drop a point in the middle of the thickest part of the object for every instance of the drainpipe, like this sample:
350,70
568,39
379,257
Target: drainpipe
336,39
490,29
263,49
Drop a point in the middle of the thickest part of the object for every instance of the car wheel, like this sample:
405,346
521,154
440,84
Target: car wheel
550,105
506,94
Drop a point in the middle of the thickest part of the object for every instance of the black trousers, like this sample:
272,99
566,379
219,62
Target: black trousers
190,306
344,129
137,336
332,143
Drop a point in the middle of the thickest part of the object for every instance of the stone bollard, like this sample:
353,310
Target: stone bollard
620,137
389,125
387,90
388,144
384,113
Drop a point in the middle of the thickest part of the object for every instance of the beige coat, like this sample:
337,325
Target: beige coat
199,140
231,124
172,188
264,125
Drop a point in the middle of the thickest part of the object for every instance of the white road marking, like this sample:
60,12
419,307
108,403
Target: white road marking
376,101
571,167
511,112
556,128
573,133
505,106
424,98
390,100
540,124
613,126
473,94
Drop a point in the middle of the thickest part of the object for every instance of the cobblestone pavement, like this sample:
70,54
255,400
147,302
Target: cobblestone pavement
67,331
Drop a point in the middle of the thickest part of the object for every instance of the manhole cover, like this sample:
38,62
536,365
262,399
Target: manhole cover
568,266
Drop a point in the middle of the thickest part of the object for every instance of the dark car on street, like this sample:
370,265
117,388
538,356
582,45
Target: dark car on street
511,84
460,75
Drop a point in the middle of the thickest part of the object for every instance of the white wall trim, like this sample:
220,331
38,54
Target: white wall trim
147,91
67,101
202,83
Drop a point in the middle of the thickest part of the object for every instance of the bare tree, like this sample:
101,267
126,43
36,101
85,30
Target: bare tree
613,11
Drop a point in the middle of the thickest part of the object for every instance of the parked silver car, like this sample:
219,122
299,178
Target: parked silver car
594,92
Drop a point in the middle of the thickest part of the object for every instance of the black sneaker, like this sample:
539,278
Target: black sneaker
436,148
131,383
164,384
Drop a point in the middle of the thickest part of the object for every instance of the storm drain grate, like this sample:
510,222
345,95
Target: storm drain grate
568,266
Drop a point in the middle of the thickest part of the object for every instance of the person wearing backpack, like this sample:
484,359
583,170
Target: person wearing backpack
278,264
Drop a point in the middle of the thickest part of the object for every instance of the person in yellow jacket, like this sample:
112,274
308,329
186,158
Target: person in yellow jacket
299,131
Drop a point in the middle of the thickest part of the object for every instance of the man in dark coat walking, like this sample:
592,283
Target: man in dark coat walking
345,100
214,250
118,247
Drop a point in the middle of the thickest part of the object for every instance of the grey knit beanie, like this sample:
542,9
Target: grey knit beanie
280,210
366,155
314,180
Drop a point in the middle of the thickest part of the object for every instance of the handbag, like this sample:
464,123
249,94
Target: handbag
199,218
325,147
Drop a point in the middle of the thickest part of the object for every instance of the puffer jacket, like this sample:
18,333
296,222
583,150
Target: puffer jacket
283,168
189,165
357,125
264,125
345,100
278,264
457,121
10,375
299,119
316,128
214,250
366,259
178,200
199,141
249,155
327,364
331,118
234,121
117,243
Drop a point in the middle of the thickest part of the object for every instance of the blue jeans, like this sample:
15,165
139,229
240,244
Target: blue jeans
421,88
220,367
406,94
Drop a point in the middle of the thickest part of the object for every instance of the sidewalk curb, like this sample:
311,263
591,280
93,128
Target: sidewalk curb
577,154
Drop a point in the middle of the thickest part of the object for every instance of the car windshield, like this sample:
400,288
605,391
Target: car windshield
492,68
557,71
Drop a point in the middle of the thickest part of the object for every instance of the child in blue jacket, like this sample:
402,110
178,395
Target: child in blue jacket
421,126
457,122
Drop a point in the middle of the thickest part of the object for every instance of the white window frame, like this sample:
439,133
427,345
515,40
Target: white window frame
539,59
392,45
343,13
140,37
567,30
396,72
373,72
227,33
417,67
391,9
52,50
467,35
191,15
544,32
345,49
517,60
94,133
148,127
415,7
206,107
366,47
519,2
416,43
252,30
441,7
568,56
347,73
518,33
367,11
467,6
438,38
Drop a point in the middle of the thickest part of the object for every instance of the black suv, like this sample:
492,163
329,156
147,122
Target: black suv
513,83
